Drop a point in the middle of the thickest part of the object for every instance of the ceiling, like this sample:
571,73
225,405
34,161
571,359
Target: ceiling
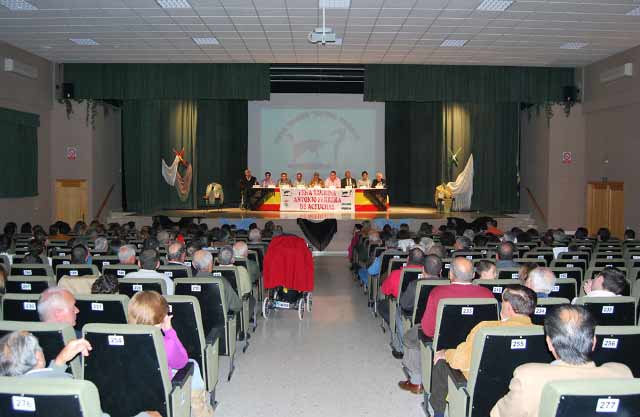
373,31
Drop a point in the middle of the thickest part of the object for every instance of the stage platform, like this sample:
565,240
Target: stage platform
413,215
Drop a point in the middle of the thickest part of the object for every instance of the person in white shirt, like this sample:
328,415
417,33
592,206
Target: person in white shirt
609,282
333,181
267,181
364,181
148,263
299,181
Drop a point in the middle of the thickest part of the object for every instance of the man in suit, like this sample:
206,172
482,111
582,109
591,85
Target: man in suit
571,339
246,182
348,180
379,181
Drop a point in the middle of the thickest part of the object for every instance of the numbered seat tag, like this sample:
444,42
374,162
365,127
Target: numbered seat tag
97,307
497,290
19,403
196,288
607,405
137,287
27,272
555,288
25,286
540,311
73,273
121,272
518,344
168,274
467,311
607,309
116,340
609,343
29,305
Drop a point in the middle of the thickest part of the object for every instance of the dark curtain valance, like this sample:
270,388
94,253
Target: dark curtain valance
19,118
452,83
169,81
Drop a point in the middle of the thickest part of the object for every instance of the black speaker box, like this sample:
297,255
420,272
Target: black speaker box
67,90
570,94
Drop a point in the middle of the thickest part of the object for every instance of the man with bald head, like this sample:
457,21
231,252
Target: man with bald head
541,280
348,180
203,264
241,250
176,254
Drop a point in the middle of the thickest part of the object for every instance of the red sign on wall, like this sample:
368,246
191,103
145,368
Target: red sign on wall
567,157
72,153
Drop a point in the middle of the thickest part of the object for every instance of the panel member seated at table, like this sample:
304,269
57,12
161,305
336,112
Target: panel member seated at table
348,180
316,181
299,182
333,181
379,182
267,181
284,180
364,181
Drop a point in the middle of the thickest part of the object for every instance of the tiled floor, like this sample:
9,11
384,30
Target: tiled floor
335,362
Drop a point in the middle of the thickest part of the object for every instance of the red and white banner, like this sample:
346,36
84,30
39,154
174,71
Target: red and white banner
317,199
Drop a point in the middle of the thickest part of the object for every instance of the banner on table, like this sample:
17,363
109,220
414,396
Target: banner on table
317,199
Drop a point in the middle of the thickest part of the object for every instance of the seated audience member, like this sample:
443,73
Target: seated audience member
379,181
364,181
3,278
492,228
486,270
390,287
603,235
405,243
509,237
571,338
58,305
463,243
461,274
30,259
6,243
151,309
541,280
127,255
373,268
547,239
267,181
447,238
505,255
581,233
80,255
225,258
525,270
203,264
114,247
255,236
78,285
241,250
284,180
176,254
332,181
348,180
432,270
105,284
150,261
518,303
629,234
438,250
316,181
299,181
101,245
609,282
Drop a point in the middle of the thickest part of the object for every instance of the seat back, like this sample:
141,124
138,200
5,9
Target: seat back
387,256
470,255
395,264
76,270
52,337
130,286
611,311
564,288
20,307
39,270
614,397
496,286
28,285
104,260
457,316
210,295
175,271
544,307
508,273
187,321
608,263
574,256
230,273
574,272
139,378
618,344
407,276
101,308
40,397
60,260
537,261
570,263
423,289
496,353
119,270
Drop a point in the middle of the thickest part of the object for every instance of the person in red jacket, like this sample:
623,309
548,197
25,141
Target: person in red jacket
461,274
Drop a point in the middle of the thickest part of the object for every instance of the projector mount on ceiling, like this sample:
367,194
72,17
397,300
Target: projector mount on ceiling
323,34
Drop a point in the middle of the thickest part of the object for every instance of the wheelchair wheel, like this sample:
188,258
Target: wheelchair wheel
265,308
301,308
308,302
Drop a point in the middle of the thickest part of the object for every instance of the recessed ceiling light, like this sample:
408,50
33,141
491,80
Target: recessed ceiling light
174,4
17,5
84,42
634,12
453,43
495,5
206,41
573,45
334,4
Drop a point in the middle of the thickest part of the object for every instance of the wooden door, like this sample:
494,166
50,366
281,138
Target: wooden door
72,201
616,209
605,207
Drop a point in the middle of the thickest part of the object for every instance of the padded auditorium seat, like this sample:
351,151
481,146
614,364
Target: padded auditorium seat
101,308
130,286
20,307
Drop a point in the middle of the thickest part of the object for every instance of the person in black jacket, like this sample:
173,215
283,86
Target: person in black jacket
246,182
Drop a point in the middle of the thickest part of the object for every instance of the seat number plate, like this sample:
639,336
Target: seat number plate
607,405
467,311
281,304
518,344
23,403
515,275
27,272
609,343
607,309
555,288
121,273
540,311
196,288
564,275
137,287
116,340
29,305
25,286
420,276
73,273
217,274
97,307
106,263
168,274
497,290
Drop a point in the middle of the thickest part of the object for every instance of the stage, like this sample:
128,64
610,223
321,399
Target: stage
412,215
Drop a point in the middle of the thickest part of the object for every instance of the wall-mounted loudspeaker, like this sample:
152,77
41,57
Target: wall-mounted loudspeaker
67,90
570,94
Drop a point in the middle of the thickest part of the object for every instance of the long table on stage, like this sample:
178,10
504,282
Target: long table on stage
318,199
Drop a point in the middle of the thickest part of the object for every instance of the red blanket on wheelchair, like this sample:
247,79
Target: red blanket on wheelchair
288,263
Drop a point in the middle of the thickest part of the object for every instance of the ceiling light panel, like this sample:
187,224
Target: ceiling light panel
334,4
634,12
453,43
495,5
174,4
573,45
17,5
206,41
84,42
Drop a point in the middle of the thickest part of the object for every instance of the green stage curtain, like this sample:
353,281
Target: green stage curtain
420,138
19,170
169,81
476,84
222,146
413,148
151,129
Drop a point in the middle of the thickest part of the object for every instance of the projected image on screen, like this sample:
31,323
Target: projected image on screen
317,133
